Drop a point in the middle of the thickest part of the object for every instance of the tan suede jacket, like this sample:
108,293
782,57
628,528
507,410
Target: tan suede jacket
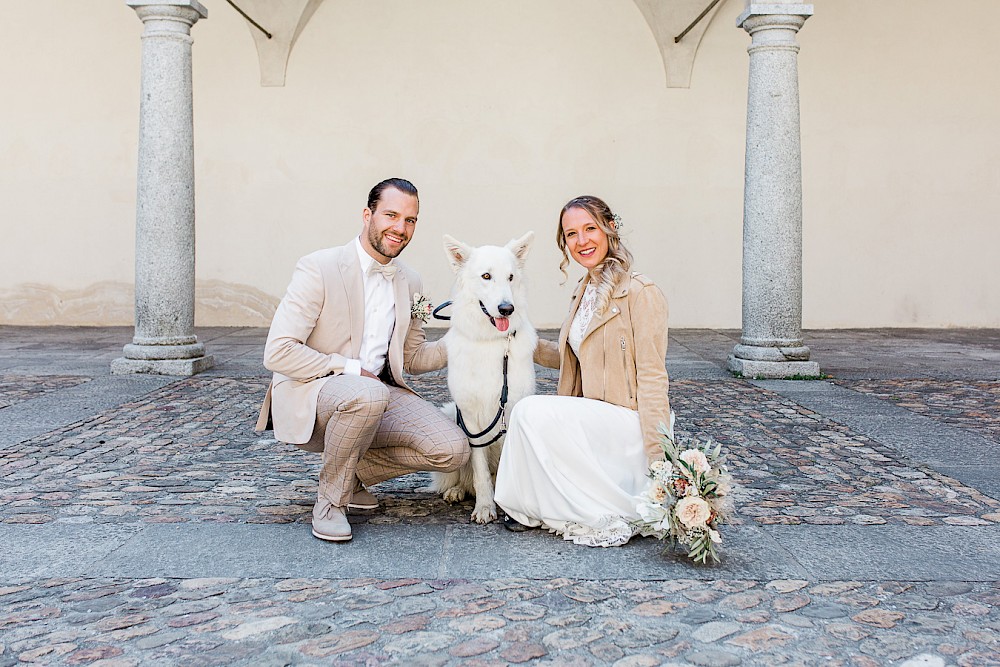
621,356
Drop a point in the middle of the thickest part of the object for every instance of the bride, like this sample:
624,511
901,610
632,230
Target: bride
575,463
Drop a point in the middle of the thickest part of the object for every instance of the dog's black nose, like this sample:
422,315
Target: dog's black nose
505,309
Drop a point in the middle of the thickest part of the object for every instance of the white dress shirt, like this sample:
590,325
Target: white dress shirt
380,318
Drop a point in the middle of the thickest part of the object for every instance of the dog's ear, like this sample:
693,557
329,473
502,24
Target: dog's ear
520,247
458,253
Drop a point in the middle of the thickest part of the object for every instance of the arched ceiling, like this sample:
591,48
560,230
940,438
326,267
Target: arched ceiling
286,19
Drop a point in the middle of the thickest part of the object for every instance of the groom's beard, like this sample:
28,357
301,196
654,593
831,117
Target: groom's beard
375,238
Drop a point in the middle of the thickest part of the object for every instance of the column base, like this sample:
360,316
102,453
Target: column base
773,370
123,366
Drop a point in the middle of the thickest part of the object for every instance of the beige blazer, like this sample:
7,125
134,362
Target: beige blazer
621,356
319,325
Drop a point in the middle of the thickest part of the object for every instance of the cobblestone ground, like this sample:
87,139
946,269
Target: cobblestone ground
556,622
970,405
17,388
187,453
504,621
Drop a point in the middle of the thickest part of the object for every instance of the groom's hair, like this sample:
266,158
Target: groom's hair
400,184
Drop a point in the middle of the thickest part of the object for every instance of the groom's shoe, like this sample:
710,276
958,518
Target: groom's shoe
362,498
330,522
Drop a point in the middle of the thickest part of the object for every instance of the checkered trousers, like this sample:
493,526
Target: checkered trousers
374,432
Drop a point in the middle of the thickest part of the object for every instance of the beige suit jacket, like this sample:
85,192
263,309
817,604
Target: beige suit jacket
319,325
621,356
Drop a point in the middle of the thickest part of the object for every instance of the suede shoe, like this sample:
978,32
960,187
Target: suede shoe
330,523
362,499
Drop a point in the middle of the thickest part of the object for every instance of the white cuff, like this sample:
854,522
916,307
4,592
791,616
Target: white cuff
352,367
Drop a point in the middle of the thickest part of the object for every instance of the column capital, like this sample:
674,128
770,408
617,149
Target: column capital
789,9
151,5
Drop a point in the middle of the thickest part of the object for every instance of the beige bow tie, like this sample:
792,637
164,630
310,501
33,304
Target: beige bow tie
387,270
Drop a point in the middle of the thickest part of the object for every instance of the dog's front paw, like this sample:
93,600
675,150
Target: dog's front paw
455,494
484,513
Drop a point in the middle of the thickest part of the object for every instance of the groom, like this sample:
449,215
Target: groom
338,345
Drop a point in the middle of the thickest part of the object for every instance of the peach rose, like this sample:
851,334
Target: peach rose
696,459
692,511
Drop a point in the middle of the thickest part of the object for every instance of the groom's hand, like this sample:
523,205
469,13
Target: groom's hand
368,374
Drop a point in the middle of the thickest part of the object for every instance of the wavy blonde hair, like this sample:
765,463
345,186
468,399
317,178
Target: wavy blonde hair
616,266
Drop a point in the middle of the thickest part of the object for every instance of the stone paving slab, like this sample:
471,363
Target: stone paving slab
453,551
911,553
923,439
32,551
413,551
71,403
17,388
973,406
500,621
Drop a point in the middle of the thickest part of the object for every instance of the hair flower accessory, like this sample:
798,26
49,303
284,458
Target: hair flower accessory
421,307
616,221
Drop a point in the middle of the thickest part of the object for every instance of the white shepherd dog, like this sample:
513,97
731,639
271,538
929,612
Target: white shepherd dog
489,320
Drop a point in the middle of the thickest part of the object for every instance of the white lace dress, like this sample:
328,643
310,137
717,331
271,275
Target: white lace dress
574,465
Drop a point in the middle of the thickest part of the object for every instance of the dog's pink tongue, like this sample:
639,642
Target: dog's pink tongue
502,323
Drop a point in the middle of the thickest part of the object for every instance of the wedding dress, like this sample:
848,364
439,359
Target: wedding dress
574,465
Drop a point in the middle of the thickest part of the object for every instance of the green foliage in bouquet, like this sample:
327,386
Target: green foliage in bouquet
688,498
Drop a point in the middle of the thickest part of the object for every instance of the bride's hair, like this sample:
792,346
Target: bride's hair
615,267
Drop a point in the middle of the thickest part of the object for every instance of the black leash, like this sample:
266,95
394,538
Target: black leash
445,304
441,306
500,416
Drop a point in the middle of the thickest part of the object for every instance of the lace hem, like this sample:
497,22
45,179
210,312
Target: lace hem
608,531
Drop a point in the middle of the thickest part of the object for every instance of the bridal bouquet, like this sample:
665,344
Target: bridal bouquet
688,497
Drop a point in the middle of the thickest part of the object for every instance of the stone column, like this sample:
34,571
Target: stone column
771,345
164,341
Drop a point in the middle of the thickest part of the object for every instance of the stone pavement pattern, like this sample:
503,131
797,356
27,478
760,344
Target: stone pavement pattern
497,621
970,405
815,463
17,388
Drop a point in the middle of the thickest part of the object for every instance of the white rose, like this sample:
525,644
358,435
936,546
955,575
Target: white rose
696,459
692,511
662,470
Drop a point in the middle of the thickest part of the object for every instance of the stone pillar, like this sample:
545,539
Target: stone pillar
771,345
164,341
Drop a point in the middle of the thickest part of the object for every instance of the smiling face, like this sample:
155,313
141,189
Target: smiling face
585,240
390,226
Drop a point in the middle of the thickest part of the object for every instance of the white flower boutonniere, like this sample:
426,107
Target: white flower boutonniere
421,307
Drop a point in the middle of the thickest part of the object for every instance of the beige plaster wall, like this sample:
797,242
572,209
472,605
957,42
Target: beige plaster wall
500,112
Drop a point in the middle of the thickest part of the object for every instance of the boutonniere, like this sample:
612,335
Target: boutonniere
421,307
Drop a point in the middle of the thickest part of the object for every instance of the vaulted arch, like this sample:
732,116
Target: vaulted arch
279,23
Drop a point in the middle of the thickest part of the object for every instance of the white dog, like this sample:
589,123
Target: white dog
489,321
